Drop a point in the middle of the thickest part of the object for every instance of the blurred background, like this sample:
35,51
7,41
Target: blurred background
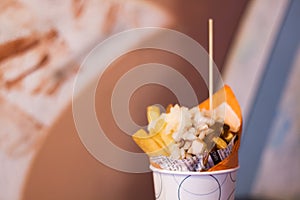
43,43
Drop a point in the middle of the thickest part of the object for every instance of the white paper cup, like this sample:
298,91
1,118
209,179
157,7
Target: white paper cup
174,185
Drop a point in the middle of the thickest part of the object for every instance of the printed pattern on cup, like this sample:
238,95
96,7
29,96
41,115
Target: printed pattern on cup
191,187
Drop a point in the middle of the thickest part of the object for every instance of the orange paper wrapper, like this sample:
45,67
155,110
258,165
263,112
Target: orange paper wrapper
226,95
232,161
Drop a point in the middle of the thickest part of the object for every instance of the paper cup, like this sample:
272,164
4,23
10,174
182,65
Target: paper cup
174,185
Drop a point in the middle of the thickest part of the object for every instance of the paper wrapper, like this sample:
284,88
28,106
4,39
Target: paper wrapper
232,161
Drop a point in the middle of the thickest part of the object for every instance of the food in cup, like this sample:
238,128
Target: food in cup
203,138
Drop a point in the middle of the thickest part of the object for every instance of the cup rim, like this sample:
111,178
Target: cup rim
164,171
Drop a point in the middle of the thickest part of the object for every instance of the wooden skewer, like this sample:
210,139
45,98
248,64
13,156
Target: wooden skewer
210,49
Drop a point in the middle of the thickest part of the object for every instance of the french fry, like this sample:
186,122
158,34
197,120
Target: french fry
153,112
150,144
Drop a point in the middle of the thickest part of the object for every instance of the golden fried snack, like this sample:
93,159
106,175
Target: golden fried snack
182,133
